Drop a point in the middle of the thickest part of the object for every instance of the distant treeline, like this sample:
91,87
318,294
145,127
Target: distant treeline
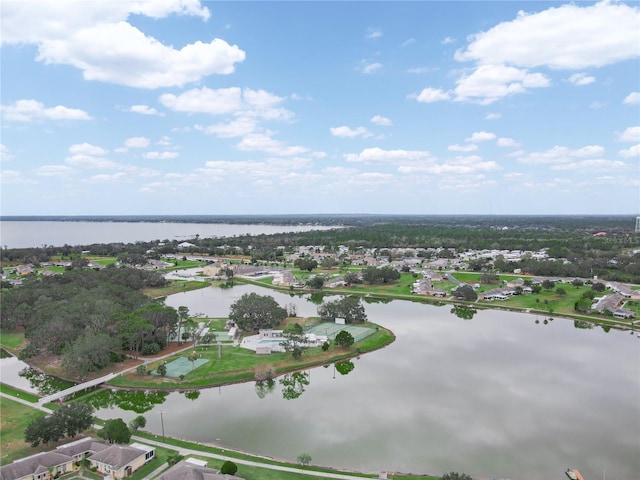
597,245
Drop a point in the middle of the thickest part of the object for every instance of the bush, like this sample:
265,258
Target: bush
228,468
150,349
141,369
173,459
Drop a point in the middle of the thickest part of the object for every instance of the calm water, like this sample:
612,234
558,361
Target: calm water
16,234
497,396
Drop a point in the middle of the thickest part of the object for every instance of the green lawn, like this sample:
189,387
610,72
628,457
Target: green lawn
14,392
239,364
14,418
11,341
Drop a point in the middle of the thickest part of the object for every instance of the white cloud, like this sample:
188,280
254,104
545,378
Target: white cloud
588,151
89,161
239,127
232,100
145,110
460,166
632,99
596,105
507,142
165,141
408,42
463,148
5,156
381,121
160,155
373,33
86,149
565,37
447,40
347,132
28,110
430,95
137,142
631,134
480,137
204,100
562,155
493,116
53,171
369,68
581,79
105,178
421,70
264,143
377,155
78,33
586,166
489,83
630,152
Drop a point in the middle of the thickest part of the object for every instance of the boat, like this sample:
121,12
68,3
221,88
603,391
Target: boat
573,474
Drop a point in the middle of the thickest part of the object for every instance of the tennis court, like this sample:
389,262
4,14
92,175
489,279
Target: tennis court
332,329
182,366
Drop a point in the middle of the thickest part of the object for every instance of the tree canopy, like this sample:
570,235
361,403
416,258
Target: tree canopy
252,312
349,307
115,431
68,421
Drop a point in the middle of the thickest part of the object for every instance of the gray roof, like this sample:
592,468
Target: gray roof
34,464
189,471
117,456
81,447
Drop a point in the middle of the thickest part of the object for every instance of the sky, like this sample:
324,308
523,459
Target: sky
298,107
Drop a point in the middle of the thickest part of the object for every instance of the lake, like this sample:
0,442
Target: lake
25,234
498,396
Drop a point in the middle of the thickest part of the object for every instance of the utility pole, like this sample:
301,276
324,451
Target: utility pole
162,423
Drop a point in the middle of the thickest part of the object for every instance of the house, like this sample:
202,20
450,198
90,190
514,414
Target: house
41,466
193,469
183,245
120,461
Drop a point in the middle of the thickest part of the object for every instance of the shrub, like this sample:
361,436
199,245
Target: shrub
150,349
228,468
173,459
141,369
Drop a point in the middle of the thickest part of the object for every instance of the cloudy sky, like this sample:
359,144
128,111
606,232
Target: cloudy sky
188,107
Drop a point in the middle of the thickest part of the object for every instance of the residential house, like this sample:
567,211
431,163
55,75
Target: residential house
193,469
120,461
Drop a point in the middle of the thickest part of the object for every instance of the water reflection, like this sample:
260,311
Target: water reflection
265,387
132,400
293,384
191,394
464,312
345,367
44,384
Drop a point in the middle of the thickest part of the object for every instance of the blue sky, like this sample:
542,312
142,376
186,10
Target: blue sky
187,107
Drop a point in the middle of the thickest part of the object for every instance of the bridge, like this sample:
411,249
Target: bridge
76,388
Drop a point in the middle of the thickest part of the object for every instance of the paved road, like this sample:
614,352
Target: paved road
188,451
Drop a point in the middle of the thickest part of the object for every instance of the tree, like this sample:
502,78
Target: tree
349,307
344,339
294,340
598,287
548,284
373,275
183,316
456,476
228,468
115,431
465,292
304,459
316,282
305,264
89,353
68,421
161,370
351,278
252,312
138,422
561,291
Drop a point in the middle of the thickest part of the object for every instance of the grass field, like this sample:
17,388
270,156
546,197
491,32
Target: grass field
239,364
14,418
11,341
14,392
174,286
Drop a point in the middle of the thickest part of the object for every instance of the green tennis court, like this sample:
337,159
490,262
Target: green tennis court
182,366
332,329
